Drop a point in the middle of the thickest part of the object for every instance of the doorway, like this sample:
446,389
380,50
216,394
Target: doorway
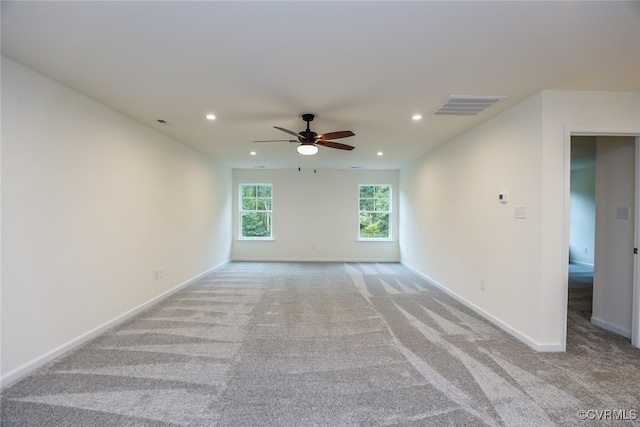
602,282
582,226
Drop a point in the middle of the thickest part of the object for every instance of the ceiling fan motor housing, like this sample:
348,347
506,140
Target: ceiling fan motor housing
308,135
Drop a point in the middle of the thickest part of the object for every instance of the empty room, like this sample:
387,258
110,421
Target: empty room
320,213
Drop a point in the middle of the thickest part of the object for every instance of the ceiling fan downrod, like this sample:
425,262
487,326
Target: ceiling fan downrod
307,134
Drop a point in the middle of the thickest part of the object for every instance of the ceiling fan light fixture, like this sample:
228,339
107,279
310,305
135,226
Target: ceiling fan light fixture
307,149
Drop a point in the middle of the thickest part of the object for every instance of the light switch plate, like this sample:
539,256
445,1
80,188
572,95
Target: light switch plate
520,212
622,213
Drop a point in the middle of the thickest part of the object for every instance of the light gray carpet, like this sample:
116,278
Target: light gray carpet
303,344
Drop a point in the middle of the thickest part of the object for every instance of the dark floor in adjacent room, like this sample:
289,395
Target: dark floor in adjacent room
581,289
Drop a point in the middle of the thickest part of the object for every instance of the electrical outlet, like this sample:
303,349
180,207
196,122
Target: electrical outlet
482,285
520,212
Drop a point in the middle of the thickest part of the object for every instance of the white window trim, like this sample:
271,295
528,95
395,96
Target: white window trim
241,211
390,211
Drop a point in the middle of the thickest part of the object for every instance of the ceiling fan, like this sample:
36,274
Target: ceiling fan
309,140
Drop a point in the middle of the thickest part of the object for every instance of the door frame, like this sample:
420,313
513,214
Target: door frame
635,326
601,131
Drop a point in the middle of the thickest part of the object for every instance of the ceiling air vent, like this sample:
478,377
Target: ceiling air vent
464,105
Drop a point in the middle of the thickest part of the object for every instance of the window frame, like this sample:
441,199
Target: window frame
242,211
389,212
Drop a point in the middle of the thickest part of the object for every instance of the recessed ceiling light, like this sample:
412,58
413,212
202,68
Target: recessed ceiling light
253,153
380,153
416,117
211,116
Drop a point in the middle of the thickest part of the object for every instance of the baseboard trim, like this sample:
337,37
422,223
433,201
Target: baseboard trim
38,362
611,327
266,259
586,264
536,345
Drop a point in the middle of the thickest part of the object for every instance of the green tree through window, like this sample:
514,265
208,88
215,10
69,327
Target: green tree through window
255,210
375,211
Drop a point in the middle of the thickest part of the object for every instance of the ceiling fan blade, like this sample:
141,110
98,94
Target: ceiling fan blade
290,132
332,144
278,140
335,135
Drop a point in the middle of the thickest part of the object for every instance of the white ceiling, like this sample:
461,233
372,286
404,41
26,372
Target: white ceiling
360,66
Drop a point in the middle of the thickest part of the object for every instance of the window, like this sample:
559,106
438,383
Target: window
255,211
375,211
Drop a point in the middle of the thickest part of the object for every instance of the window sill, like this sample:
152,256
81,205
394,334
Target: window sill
255,239
375,240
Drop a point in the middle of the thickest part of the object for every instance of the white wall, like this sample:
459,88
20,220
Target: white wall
315,216
582,232
92,204
613,274
453,230
565,112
